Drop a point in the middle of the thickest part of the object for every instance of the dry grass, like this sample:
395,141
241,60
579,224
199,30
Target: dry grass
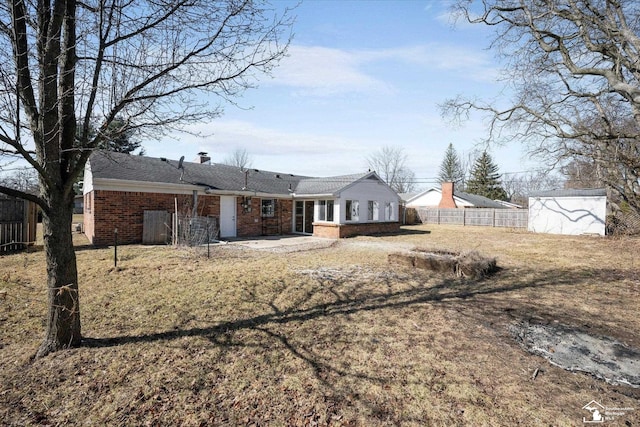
323,337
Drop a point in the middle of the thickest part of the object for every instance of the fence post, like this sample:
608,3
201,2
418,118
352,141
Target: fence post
115,247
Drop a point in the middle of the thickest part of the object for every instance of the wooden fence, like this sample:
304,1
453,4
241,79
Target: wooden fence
18,221
155,228
512,218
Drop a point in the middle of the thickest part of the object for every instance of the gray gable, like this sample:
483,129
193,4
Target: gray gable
328,185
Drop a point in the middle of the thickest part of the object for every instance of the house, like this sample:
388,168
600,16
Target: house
78,202
569,211
119,188
509,205
448,197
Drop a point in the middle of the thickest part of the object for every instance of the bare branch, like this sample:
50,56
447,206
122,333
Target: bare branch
573,67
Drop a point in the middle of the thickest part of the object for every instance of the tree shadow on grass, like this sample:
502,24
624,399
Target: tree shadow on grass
479,299
446,290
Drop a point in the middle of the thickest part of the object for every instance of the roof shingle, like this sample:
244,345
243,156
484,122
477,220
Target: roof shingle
110,165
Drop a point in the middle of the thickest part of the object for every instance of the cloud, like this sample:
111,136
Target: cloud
472,64
225,136
323,72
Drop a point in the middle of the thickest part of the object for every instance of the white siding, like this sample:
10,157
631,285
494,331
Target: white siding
568,215
87,179
363,191
431,199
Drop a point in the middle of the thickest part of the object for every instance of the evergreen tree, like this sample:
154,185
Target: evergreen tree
485,179
451,167
118,138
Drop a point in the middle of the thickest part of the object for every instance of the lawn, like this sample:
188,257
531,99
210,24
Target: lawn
326,336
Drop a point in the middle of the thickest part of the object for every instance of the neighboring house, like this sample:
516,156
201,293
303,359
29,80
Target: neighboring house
78,204
568,211
119,188
509,205
448,197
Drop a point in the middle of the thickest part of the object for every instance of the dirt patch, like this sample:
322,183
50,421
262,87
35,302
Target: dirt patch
354,273
574,350
281,244
469,264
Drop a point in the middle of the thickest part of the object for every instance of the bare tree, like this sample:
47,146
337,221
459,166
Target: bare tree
239,158
390,164
581,173
520,186
68,69
23,179
572,66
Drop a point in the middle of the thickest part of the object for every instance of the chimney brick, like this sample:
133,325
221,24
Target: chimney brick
447,196
203,158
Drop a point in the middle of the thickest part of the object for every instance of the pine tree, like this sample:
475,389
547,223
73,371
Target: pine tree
119,140
451,167
485,179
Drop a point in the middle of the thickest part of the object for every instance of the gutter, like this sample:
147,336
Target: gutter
250,193
313,196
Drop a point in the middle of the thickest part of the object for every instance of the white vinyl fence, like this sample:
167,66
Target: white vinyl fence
512,218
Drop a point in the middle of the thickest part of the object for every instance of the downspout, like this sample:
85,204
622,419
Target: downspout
194,213
404,213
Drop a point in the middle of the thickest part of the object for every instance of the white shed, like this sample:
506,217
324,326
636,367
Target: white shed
568,211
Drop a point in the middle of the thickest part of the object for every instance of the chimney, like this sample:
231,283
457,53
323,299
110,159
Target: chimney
203,158
447,196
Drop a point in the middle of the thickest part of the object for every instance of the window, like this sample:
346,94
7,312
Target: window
372,214
268,207
352,210
388,211
325,210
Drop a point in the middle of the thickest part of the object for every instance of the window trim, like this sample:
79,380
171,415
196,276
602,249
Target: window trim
388,211
373,210
272,208
352,207
326,210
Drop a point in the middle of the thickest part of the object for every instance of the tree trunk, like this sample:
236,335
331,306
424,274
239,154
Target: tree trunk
63,317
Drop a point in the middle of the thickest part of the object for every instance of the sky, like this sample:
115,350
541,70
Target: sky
360,75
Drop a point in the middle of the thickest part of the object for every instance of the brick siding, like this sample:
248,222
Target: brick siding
338,231
252,223
107,210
